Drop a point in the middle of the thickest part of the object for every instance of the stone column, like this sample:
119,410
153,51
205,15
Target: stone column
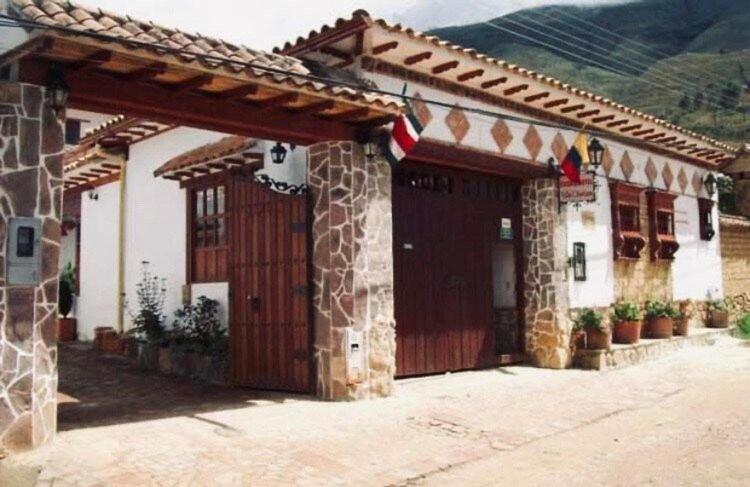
352,270
548,328
31,145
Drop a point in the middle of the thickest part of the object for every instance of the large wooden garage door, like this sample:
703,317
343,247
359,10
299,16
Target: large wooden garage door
269,315
452,270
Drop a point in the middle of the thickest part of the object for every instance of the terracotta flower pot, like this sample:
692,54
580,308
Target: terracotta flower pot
597,339
681,327
660,327
718,319
627,332
99,333
67,329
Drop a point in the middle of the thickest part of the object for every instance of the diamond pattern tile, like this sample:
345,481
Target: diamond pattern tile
667,176
559,147
651,172
682,180
626,165
533,142
421,110
458,123
697,183
501,134
608,161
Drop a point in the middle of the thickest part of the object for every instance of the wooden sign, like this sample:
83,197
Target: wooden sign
583,192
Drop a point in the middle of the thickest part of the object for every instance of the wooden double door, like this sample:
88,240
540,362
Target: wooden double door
456,238
270,336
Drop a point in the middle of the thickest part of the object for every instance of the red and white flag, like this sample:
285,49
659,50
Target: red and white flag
405,135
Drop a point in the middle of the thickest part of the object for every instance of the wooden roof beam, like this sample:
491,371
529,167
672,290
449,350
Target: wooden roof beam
631,127
639,133
655,136
234,161
538,96
383,48
278,100
573,108
556,103
144,73
676,143
350,114
418,58
494,82
115,167
617,123
100,171
442,68
192,83
516,89
332,51
603,118
668,139
588,113
92,61
470,75
238,92
317,107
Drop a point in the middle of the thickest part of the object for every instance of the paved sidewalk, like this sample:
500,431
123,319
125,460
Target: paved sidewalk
432,427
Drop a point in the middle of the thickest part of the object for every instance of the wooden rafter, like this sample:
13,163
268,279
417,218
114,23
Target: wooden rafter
470,75
617,123
144,73
317,107
418,58
388,46
573,108
238,92
589,113
332,51
668,139
603,118
350,114
92,61
538,96
639,133
192,83
556,103
516,89
442,68
494,82
655,136
278,100
631,127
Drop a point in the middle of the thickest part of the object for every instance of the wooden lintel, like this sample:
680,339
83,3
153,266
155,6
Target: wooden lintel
617,123
494,82
317,107
470,75
350,114
278,100
556,103
144,73
418,58
516,89
603,118
332,51
573,108
538,96
442,68
631,127
388,46
238,92
192,83
638,133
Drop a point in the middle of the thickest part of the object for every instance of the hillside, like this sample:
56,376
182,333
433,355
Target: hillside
687,61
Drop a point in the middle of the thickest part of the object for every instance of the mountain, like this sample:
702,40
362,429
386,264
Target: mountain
687,61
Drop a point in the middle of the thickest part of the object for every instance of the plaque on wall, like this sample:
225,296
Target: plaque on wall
582,192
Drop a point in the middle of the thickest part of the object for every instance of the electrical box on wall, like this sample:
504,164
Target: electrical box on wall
355,356
24,252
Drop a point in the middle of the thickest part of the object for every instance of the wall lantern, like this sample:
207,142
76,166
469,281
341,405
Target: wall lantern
57,90
596,152
578,261
369,145
278,153
710,183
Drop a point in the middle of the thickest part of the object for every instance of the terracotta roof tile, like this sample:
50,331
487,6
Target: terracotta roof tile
233,145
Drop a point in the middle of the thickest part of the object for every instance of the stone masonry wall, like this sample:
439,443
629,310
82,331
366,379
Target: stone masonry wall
735,256
642,280
352,269
548,327
31,144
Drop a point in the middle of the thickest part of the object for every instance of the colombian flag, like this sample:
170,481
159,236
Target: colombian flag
578,156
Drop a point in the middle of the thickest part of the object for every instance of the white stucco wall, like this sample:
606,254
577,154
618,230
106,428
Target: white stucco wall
97,301
696,270
592,225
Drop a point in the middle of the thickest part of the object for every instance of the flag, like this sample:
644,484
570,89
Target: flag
405,135
577,157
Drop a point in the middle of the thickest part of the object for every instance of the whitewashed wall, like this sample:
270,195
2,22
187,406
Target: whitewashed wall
697,269
97,301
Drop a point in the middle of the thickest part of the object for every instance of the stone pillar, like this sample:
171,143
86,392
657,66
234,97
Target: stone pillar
31,145
548,328
352,270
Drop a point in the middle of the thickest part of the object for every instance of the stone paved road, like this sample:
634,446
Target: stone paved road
681,419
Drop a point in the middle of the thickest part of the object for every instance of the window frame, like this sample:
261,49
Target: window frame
661,216
216,254
628,242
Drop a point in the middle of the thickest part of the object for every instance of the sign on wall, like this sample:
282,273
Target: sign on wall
572,192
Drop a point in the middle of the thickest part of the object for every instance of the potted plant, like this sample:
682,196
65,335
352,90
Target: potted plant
683,319
660,317
148,320
67,328
627,323
597,336
718,315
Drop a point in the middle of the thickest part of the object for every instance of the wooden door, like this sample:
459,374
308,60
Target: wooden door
445,228
269,310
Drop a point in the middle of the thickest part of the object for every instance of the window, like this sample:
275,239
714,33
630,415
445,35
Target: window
626,221
706,219
663,243
208,234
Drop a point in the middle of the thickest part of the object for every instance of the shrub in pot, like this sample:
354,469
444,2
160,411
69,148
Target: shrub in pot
682,320
597,335
718,314
67,328
627,323
660,316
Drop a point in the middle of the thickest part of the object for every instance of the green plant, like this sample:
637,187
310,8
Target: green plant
716,305
626,311
661,309
743,327
148,320
589,319
66,290
199,329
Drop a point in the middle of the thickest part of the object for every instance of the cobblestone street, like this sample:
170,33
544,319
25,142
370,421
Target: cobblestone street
683,418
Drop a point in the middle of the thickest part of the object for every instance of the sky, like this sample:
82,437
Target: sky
264,24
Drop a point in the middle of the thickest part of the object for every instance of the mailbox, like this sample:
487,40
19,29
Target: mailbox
24,252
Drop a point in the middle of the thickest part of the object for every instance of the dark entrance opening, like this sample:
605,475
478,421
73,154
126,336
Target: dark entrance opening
457,258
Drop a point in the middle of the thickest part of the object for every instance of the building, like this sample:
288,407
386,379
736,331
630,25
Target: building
455,258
